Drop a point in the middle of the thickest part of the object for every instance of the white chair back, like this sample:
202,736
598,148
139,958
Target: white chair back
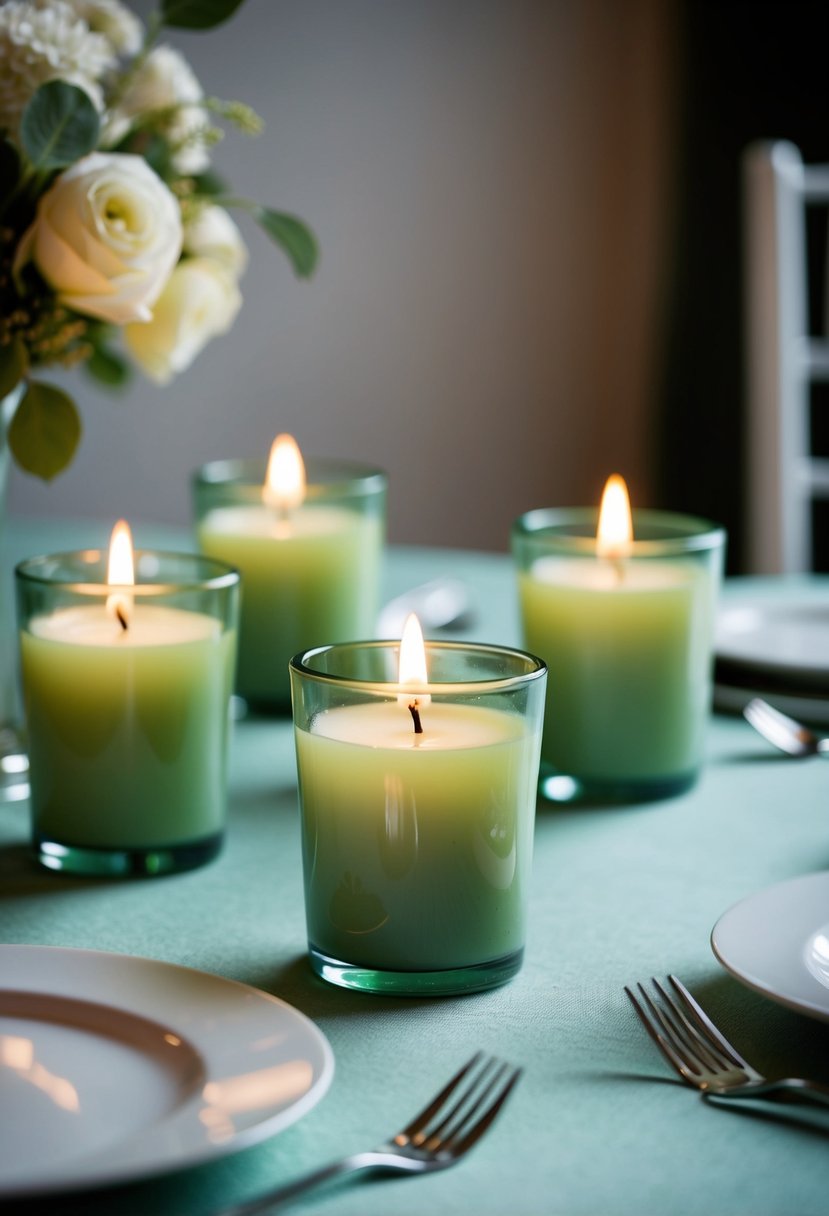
783,358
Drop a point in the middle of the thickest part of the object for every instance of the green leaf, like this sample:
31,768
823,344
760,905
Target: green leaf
156,152
197,14
209,184
14,363
45,430
294,238
59,125
108,367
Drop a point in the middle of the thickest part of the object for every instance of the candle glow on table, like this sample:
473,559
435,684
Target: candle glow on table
309,564
127,707
625,627
417,844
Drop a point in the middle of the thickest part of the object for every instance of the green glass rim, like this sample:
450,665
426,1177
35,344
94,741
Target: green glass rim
535,668
205,573
572,530
326,478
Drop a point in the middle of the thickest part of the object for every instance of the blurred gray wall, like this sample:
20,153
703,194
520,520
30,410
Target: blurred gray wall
488,180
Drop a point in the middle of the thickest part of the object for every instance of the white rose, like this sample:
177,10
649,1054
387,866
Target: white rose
121,28
165,81
106,237
200,301
213,234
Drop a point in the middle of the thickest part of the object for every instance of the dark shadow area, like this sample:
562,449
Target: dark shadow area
297,984
811,1122
776,1041
586,1077
21,876
730,97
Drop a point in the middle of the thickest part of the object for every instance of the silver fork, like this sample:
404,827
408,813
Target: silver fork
703,1057
444,1131
784,732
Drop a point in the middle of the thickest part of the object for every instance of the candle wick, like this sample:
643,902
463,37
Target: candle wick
619,569
122,620
282,521
415,712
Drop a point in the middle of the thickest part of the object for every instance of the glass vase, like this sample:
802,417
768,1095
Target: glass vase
127,704
629,646
309,576
417,827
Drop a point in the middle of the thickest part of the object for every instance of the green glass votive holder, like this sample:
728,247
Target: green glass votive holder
417,847
628,641
308,572
126,694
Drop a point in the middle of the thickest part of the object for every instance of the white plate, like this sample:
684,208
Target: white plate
777,942
118,1068
785,637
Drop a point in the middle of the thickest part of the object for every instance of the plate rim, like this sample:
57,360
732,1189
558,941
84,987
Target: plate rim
815,678
766,987
112,1165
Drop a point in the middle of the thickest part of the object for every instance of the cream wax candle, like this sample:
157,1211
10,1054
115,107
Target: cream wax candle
309,555
418,802
126,690
623,616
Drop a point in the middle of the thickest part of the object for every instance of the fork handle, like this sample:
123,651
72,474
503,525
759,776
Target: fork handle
809,1092
274,1198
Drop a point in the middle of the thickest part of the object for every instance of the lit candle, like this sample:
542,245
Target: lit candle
624,621
308,552
418,803
126,687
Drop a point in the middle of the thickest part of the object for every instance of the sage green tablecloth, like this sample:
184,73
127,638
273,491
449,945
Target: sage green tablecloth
597,1126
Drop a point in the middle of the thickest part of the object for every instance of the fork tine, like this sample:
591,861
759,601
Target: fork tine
688,1036
454,1132
777,727
684,1033
758,710
473,1134
466,1104
650,1019
415,1128
711,1030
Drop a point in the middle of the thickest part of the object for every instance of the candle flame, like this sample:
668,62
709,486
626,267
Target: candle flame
412,666
120,571
615,533
285,480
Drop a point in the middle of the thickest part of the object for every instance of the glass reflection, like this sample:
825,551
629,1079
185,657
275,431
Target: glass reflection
817,955
18,1054
253,1091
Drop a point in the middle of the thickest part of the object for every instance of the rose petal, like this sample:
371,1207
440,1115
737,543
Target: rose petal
62,268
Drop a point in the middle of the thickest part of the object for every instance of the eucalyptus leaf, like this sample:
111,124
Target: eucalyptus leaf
45,430
197,14
108,367
209,184
59,125
156,152
14,363
293,237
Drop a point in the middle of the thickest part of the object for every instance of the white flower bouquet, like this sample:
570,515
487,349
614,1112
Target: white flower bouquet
116,247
